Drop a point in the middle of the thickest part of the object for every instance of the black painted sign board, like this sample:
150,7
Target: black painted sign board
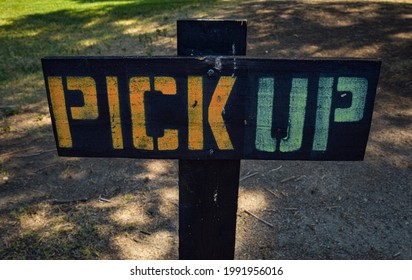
211,107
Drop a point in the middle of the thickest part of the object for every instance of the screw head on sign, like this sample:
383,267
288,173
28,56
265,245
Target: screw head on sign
210,72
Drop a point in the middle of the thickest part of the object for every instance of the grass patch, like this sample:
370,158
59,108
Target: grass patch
30,30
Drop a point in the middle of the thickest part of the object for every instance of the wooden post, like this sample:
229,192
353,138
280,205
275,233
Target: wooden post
208,189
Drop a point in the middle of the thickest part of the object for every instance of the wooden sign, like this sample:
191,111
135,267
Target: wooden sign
211,107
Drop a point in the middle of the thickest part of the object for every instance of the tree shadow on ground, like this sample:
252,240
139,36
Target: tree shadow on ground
56,208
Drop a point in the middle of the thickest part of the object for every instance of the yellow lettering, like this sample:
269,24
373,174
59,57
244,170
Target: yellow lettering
87,86
216,111
58,107
195,112
138,86
114,110
170,140
167,85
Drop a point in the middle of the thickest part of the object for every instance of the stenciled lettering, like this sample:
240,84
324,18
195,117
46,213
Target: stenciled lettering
358,87
170,139
266,95
320,141
195,112
137,87
89,111
216,109
58,105
87,86
264,141
114,111
63,90
297,108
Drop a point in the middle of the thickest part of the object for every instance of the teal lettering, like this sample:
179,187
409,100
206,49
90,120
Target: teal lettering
320,141
298,95
297,108
264,141
358,87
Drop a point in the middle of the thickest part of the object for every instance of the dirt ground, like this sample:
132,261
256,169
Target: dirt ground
84,208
